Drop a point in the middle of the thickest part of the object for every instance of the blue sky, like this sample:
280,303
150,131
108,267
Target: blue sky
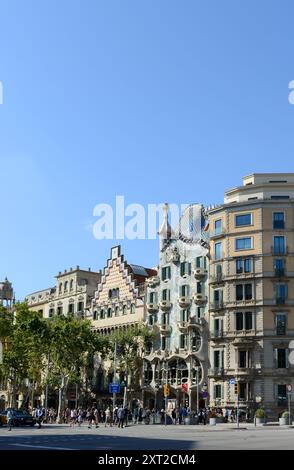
156,100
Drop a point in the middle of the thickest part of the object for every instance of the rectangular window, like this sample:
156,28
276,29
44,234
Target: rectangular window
184,291
279,267
198,262
281,293
71,308
248,291
218,392
243,265
80,306
218,297
242,390
185,268
278,220
248,321
243,359
218,250
281,324
218,227
216,359
239,266
247,265
239,321
166,294
166,273
217,325
281,358
279,246
183,341
243,219
184,315
282,395
59,310
165,319
243,243
153,298
239,292
199,288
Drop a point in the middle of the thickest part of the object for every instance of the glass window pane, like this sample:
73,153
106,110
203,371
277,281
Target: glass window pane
244,219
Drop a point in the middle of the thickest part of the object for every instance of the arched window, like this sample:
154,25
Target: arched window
71,285
117,311
125,310
102,314
133,308
95,315
60,288
109,312
65,286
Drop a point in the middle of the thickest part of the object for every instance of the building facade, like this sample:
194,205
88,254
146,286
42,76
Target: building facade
72,294
251,290
119,302
177,310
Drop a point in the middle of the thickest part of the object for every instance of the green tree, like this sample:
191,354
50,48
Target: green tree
131,343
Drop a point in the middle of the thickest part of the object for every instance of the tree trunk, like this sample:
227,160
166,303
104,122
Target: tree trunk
60,405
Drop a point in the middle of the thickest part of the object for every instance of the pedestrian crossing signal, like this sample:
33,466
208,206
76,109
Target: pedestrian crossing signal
166,390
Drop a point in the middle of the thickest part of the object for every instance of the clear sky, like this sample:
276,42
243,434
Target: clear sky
156,100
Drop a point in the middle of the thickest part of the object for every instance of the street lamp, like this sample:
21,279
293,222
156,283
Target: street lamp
197,389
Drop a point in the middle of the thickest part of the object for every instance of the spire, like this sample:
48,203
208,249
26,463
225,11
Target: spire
165,230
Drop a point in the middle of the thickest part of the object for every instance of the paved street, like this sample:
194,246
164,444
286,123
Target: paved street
147,437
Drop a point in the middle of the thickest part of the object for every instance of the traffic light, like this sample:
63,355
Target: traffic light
166,390
236,387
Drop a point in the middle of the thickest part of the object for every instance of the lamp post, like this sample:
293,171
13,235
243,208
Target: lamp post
166,382
197,389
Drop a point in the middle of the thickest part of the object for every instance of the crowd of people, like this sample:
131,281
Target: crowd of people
121,416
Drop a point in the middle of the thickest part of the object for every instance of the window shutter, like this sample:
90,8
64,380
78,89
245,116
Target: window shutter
275,358
287,358
222,391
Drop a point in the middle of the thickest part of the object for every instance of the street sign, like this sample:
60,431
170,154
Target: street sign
232,381
114,388
289,388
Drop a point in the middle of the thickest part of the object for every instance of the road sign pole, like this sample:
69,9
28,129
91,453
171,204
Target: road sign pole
114,377
289,406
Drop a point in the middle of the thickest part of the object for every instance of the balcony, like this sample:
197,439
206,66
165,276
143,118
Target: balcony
199,273
165,304
216,334
279,273
185,301
217,278
152,307
280,300
216,372
165,329
279,251
199,299
153,281
217,233
183,325
218,305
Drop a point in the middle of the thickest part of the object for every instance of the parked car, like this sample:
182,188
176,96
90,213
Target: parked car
20,418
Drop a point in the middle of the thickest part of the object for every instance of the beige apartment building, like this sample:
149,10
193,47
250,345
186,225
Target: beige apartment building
251,311
72,294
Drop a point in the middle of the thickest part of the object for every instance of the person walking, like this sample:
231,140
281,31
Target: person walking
108,417
9,419
96,417
121,417
39,416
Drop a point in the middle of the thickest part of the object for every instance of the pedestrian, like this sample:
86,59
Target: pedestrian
108,417
96,417
174,416
9,419
121,417
39,416
136,415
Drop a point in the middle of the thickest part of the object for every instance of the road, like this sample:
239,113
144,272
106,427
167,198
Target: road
150,437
